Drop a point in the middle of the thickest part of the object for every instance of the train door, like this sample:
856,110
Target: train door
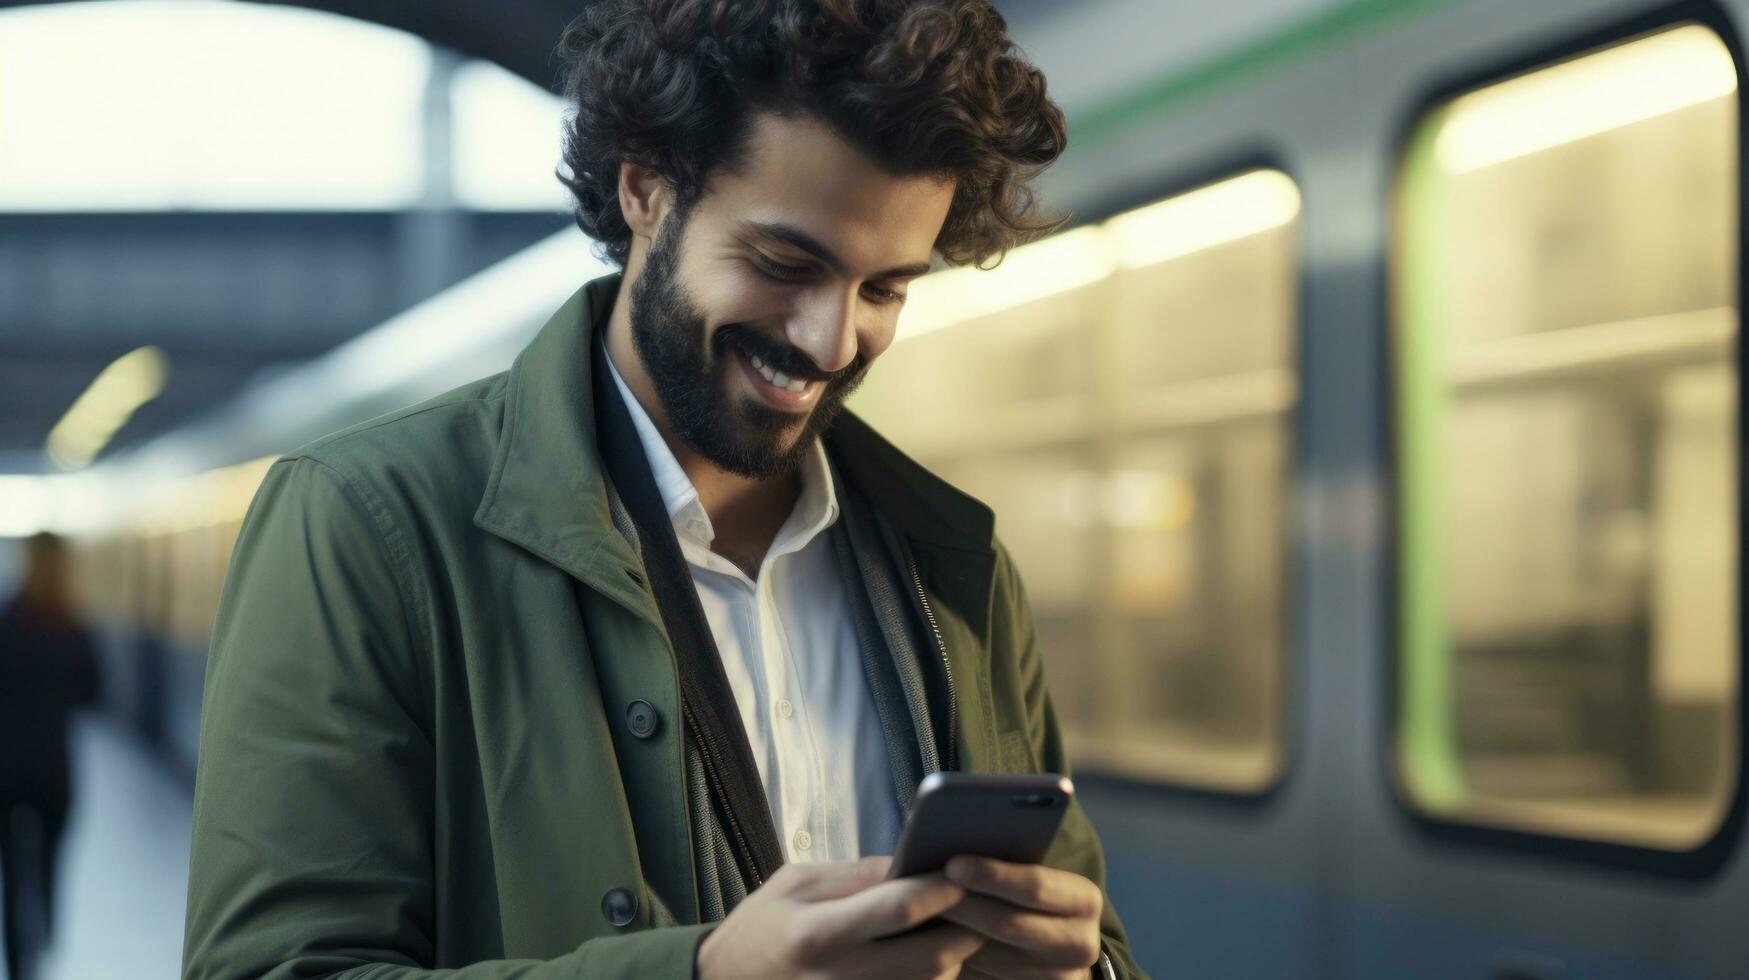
1564,649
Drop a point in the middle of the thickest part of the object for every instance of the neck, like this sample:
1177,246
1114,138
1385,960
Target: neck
746,513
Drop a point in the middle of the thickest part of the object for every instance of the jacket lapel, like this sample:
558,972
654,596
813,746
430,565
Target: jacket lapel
951,538
952,533
546,491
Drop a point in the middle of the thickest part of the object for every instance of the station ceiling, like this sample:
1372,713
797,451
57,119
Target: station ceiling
79,290
232,296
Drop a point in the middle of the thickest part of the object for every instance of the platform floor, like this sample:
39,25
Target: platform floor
124,867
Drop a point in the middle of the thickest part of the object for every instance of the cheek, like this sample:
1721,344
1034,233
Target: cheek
729,295
872,341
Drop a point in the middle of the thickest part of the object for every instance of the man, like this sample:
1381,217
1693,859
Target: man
627,662
48,670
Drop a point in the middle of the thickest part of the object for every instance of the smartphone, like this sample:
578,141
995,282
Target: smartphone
1010,817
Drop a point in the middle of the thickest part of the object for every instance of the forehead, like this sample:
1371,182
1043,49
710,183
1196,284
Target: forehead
797,172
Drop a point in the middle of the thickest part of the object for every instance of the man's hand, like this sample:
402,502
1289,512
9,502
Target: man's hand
825,921
1043,923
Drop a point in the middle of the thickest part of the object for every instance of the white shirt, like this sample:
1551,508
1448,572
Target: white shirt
789,648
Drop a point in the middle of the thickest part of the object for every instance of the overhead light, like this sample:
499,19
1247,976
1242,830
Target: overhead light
225,106
24,505
505,141
1591,94
1201,219
97,415
62,502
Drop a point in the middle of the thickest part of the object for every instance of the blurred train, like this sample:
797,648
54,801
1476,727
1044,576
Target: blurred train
1369,445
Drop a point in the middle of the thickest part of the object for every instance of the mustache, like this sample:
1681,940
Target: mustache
781,356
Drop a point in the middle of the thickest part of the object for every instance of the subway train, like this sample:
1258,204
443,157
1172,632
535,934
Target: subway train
1368,441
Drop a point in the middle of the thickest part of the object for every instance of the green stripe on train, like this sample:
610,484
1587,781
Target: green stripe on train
1342,21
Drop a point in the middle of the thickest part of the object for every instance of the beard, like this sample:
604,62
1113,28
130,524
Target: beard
691,374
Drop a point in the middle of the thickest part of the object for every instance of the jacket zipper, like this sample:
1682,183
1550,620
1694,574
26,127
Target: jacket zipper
717,784
950,756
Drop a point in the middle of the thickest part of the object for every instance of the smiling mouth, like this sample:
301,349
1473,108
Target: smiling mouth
775,388
775,378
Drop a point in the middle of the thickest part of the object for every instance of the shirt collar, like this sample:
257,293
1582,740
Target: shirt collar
816,509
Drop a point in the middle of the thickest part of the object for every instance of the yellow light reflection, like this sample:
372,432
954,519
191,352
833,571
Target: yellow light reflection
202,500
1028,274
1133,500
1149,500
1589,95
99,413
1213,215
1248,204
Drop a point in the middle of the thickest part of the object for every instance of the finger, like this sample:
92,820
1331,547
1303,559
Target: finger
931,951
879,910
1034,886
1042,939
1010,963
970,972
825,880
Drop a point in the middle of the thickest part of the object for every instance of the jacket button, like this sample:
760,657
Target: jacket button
642,719
619,906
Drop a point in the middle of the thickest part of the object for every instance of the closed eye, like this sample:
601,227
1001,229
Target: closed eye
785,273
885,296
782,272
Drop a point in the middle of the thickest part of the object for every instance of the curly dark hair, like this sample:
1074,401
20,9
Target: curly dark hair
922,87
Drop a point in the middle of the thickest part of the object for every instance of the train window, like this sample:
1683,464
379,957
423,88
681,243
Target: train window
1564,293
1122,396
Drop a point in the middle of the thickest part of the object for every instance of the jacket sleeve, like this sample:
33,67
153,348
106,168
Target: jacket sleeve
312,851
1077,845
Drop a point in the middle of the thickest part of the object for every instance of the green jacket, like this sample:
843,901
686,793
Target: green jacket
415,753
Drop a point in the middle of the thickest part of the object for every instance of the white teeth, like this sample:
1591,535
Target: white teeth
777,378
763,368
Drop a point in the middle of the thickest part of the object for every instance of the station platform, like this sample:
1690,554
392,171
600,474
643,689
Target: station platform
124,865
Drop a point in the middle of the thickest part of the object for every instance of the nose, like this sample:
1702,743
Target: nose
824,328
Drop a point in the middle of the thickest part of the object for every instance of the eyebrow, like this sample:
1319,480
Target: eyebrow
799,239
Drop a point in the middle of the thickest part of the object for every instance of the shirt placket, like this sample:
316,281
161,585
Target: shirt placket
789,725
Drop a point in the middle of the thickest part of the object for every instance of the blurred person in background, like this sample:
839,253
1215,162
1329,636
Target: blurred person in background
48,670
628,662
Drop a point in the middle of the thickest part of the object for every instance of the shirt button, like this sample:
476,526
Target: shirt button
784,708
619,906
641,718
804,840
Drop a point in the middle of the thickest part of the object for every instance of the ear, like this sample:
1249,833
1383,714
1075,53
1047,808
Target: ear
644,198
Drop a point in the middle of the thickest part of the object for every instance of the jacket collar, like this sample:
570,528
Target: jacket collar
547,491
925,507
